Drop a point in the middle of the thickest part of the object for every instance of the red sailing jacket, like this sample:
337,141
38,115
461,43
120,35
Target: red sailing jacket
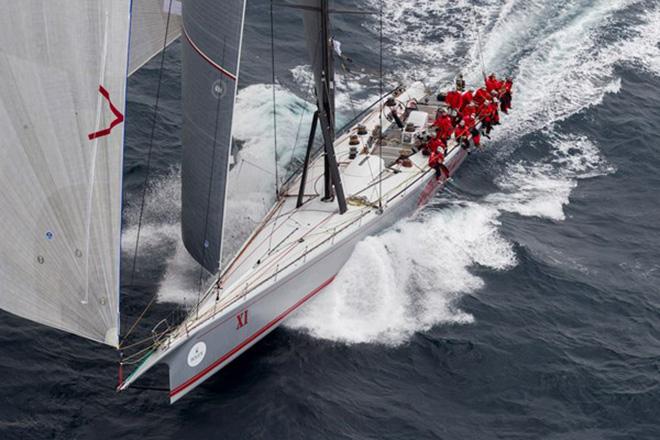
436,159
444,125
481,96
468,97
434,144
454,100
493,84
461,131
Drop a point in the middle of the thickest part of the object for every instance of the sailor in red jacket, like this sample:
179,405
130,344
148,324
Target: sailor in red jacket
506,95
444,125
493,110
435,162
468,97
471,125
469,110
492,83
489,116
482,95
436,144
454,100
462,134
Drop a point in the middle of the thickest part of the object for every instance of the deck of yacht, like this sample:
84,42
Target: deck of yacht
289,236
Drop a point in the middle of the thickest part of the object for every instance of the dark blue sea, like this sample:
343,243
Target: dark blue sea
522,303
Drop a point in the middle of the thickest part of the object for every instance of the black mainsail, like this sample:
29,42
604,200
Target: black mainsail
212,34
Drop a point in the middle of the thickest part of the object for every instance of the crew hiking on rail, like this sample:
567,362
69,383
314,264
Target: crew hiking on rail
467,115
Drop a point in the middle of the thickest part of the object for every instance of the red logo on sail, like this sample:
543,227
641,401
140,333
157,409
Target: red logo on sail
119,118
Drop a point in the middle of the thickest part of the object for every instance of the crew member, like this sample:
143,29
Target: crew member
506,95
444,125
460,83
471,125
482,95
492,83
469,110
436,144
454,100
435,162
462,134
490,116
468,98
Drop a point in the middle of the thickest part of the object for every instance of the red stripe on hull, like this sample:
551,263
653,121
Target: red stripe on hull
261,331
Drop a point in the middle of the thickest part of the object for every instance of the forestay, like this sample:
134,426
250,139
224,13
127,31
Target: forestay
212,34
148,25
63,66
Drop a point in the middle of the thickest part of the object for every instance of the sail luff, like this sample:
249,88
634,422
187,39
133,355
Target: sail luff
231,130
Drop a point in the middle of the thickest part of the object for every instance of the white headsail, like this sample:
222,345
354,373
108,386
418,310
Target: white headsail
63,68
148,24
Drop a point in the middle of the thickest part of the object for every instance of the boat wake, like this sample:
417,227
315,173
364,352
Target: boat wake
409,278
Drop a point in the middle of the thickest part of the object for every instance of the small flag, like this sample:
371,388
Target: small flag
337,46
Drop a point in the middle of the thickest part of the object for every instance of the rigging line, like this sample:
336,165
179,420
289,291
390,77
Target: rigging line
148,172
380,93
309,88
255,165
272,61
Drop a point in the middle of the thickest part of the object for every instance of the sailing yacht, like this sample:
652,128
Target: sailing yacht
62,95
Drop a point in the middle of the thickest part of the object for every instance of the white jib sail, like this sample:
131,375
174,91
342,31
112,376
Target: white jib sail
148,24
63,66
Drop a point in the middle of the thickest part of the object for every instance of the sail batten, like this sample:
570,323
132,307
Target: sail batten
61,162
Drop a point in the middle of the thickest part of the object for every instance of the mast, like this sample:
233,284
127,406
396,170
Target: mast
317,17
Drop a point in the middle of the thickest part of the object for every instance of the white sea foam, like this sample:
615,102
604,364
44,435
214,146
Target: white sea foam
409,278
160,235
542,189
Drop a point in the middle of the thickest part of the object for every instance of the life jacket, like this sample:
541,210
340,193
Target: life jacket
507,86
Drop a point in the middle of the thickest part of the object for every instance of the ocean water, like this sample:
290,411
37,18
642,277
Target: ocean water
522,303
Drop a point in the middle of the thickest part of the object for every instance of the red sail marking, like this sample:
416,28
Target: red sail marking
119,118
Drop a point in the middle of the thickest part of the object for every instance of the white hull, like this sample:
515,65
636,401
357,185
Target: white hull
291,258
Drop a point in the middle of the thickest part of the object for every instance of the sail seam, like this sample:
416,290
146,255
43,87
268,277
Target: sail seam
206,57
